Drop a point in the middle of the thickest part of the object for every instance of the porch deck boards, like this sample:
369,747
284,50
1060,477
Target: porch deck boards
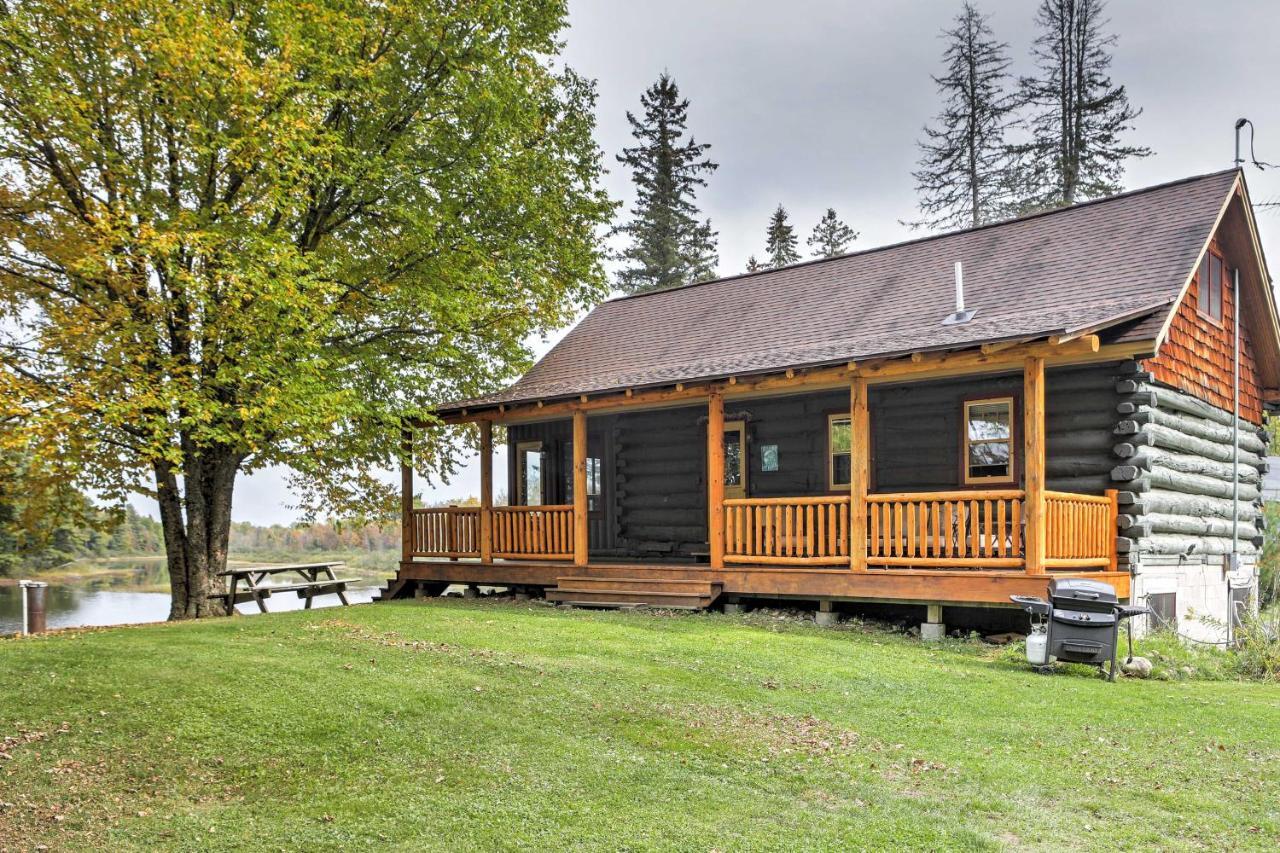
896,584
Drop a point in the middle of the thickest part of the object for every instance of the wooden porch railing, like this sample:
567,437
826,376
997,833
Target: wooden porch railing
533,532
812,531
967,529
452,531
962,529
1080,530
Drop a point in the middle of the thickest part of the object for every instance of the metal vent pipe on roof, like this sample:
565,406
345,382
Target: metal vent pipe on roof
961,315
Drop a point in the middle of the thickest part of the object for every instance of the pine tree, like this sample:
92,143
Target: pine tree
754,265
668,244
1075,152
703,255
966,171
781,242
831,236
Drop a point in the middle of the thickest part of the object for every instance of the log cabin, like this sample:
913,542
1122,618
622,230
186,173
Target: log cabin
942,422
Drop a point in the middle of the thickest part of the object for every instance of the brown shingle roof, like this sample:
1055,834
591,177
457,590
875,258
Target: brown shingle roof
1098,264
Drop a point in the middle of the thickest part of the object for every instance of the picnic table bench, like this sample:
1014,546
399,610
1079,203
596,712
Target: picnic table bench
257,590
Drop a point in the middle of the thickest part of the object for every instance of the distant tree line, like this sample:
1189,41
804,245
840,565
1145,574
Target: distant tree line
321,536
1001,146
87,532
668,241
42,528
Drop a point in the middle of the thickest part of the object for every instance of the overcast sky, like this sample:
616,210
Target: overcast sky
819,103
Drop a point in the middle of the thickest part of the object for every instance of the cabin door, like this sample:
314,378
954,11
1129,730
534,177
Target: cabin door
531,465
600,463
735,459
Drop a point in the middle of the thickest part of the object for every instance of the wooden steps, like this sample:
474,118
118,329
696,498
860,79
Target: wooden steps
671,593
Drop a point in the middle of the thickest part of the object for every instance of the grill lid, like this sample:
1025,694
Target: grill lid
1076,592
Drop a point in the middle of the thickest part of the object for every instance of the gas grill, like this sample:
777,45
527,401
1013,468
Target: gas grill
1080,623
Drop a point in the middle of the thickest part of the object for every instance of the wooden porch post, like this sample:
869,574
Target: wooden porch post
406,494
1033,441
486,491
715,478
580,488
859,472
1113,512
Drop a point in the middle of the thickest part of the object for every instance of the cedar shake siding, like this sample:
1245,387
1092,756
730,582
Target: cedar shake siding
1197,354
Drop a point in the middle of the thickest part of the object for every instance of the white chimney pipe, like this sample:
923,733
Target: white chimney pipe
961,315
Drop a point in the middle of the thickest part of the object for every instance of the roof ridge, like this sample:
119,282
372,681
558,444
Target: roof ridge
1040,214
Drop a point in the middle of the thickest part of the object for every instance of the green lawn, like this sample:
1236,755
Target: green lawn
474,725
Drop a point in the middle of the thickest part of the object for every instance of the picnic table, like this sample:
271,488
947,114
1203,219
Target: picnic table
257,590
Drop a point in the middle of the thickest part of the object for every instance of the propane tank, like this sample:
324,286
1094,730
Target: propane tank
1038,644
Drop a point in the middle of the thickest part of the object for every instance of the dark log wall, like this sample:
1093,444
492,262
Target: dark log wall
660,487
797,425
916,433
557,444
1080,416
655,500
1108,426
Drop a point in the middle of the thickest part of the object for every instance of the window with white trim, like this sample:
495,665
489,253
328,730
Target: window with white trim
988,441
839,451
1209,301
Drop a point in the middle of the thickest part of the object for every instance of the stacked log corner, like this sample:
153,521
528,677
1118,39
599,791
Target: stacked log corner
1174,474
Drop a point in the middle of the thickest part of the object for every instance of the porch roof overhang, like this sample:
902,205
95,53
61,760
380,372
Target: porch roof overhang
1064,347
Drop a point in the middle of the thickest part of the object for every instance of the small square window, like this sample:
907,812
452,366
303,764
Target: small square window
988,440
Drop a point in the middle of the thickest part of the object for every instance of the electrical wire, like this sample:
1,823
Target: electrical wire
1253,158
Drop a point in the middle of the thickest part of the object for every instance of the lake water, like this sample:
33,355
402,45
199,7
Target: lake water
137,592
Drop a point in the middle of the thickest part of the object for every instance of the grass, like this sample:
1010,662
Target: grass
476,725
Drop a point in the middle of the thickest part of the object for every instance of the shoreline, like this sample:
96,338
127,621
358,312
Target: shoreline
76,571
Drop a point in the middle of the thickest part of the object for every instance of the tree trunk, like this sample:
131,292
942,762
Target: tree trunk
196,519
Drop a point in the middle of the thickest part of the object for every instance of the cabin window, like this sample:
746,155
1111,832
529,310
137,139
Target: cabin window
531,464
1241,604
593,483
988,441
769,457
735,474
1164,611
1212,270
839,452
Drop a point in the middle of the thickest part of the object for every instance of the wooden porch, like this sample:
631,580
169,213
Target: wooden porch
967,546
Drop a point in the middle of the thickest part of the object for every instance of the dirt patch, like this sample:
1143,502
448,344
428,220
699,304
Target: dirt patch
394,640
777,734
